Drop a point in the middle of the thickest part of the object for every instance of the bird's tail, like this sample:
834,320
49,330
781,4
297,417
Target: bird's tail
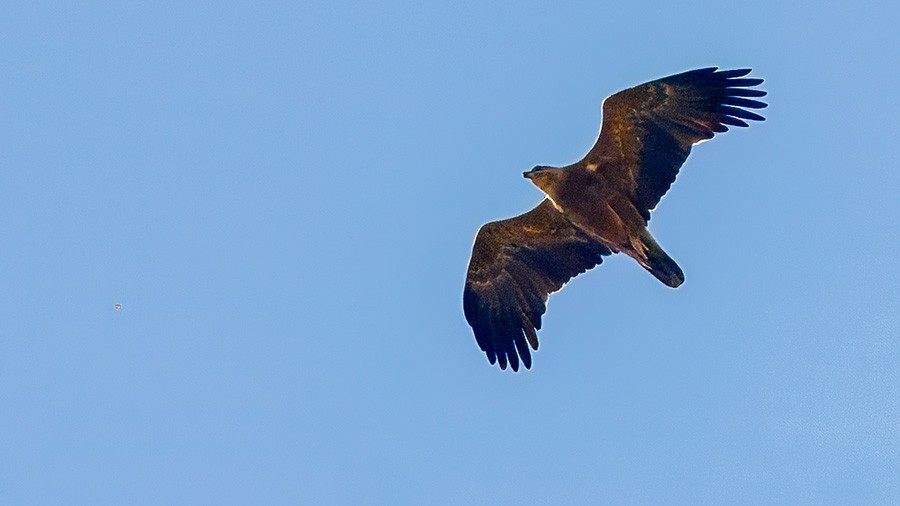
655,260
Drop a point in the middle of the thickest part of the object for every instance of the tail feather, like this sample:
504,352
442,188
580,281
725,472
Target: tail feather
659,263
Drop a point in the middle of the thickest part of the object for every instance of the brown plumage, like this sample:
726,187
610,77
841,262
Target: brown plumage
598,206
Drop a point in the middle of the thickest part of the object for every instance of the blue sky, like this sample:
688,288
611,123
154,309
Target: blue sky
283,197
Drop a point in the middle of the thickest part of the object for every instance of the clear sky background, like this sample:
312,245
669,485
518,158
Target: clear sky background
283,197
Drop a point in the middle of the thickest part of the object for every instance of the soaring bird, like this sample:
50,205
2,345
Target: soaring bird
598,206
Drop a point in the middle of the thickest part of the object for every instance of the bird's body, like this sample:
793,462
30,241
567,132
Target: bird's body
597,206
600,209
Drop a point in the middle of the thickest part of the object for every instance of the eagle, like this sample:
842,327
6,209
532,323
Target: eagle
598,206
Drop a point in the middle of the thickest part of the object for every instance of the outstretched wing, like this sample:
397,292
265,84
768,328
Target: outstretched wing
648,130
515,265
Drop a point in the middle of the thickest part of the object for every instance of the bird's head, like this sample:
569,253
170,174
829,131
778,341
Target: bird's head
544,177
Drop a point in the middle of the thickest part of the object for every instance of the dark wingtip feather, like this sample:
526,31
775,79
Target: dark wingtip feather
733,73
522,349
744,92
501,356
752,81
513,356
728,120
740,113
745,102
